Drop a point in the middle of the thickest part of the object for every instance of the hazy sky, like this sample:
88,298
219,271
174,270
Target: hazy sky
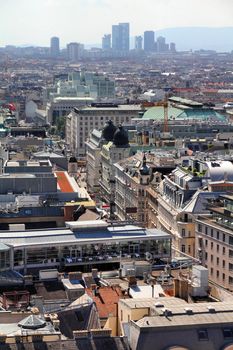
35,21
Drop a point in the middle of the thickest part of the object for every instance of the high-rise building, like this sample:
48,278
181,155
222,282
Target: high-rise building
161,44
172,47
54,47
73,51
106,42
138,42
120,37
149,40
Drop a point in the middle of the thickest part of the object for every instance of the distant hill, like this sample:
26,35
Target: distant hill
196,38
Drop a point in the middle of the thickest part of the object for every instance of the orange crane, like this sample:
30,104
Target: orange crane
165,106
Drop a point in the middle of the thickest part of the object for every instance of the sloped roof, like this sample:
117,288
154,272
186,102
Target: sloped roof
80,318
204,114
199,201
157,113
32,322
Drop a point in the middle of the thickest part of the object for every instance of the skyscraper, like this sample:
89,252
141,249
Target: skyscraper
161,44
149,40
54,47
138,42
106,42
73,51
120,37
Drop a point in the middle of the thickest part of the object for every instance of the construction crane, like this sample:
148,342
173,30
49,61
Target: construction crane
164,104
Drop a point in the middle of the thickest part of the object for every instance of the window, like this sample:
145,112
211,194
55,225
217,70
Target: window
217,247
211,271
223,250
217,273
230,253
223,237
211,258
202,334
212,232
223,264
230,240
230,266
230,280
183,248
217,261
183,232
227,332
206,243
206,230
189,249
217,234
199,227
211,245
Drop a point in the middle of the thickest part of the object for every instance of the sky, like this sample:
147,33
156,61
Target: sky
25,22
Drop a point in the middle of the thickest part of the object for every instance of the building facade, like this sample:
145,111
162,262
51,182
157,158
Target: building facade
80,122
54,47
120,37
149,41
214,241
80,243
106,42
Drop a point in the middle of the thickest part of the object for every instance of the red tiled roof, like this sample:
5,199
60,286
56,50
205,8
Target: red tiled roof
107,300
63,182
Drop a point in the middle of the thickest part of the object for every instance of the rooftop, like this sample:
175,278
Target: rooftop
186,315
82,234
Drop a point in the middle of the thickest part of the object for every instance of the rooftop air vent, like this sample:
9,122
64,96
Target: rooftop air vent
158,304
167,312
211,308
188,311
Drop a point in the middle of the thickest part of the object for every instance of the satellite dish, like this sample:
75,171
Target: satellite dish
148,256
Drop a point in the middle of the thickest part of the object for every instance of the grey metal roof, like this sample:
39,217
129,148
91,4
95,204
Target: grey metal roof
32,322
79,235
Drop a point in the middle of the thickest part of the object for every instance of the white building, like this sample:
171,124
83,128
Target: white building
111,153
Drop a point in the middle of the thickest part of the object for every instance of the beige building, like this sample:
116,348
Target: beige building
134,309
133,176
182,326
214,241
111,153
93,163
80,122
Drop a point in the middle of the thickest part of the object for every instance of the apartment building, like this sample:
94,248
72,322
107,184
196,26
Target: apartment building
183,195
80,122
133,177
214,241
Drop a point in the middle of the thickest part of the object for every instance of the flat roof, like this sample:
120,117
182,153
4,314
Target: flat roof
201,314
82,234
119,107
168,302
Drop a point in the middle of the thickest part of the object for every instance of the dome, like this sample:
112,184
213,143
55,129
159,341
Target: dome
108,131
72,160
120,138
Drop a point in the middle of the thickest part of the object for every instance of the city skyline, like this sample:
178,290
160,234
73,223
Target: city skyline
86,21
